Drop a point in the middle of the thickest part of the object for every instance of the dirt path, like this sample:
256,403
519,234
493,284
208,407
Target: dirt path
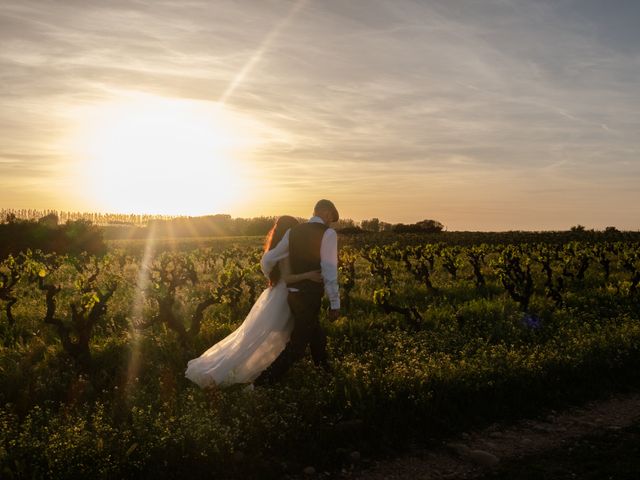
474,454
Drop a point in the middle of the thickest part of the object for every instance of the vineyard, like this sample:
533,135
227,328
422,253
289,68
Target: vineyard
437,333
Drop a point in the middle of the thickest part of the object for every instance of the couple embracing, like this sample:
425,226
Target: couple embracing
301,263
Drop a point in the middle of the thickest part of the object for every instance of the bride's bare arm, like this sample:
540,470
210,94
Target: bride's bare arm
288,277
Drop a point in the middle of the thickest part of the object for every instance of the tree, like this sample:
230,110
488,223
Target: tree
11,218
50,220
372,225
431,226
425,226
386,227
344,223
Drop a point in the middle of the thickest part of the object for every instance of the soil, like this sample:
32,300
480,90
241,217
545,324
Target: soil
600,439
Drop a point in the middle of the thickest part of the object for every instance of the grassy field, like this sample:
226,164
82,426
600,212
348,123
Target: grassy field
137,246
92,368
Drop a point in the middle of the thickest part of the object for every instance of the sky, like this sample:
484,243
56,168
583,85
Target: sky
484,115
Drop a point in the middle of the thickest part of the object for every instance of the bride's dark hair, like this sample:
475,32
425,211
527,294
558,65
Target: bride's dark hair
274,236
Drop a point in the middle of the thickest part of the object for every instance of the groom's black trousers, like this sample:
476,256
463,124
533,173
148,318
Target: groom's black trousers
305,307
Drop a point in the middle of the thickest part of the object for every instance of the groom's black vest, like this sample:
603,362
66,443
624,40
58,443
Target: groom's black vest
305,241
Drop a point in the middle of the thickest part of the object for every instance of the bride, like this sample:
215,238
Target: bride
254,345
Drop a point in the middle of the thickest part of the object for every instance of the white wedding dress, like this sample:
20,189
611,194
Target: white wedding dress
253,346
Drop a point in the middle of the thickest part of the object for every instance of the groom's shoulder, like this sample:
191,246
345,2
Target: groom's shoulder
320,227
309,228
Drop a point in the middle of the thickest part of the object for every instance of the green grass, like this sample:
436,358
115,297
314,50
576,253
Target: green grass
470,363
137,245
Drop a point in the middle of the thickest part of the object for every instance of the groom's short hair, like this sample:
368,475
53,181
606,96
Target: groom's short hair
327,205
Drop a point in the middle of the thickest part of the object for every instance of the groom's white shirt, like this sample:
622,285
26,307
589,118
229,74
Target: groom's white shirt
328,261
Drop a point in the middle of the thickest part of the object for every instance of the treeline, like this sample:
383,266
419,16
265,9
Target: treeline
22,229
208,224
221,225
424,226
93,217
225,225
46,234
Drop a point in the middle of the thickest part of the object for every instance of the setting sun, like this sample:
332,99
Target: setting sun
174,156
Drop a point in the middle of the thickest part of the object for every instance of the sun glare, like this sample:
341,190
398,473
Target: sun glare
162,155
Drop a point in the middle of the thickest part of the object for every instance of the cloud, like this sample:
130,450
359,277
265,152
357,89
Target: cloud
357,97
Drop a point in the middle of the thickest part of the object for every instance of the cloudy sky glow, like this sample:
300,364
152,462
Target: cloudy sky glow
485,115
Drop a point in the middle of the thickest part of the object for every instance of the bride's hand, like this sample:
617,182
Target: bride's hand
315,276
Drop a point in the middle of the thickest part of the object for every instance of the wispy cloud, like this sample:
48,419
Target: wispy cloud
475,111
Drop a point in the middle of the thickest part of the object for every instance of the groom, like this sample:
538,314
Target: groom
309,246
